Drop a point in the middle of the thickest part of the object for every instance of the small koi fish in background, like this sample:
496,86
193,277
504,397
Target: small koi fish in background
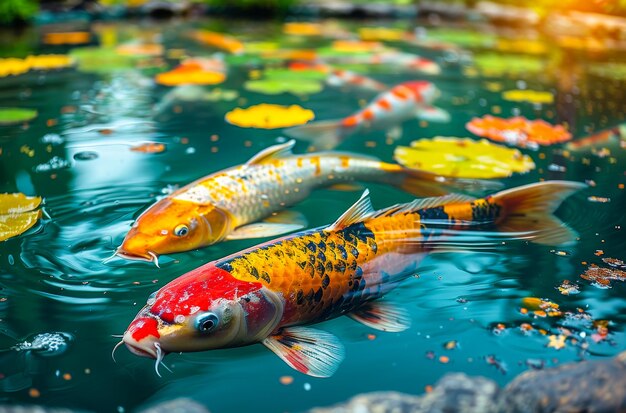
267,293
388,111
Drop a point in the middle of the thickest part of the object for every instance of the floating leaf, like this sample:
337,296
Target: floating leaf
66,38
521,45
15,66
219,40
541,307
302,29
268,116
518,131
494,64
296,73
355,46
13,116
602,277
463,158
102,60
556,342
382,33
17,214
468,38
139,49
192,73
275,86
532,96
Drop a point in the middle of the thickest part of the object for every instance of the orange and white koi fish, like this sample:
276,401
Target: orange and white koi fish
267,293
387,111
346,78
230,204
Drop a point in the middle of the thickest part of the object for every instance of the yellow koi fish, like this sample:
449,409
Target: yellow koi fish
267,293
229,204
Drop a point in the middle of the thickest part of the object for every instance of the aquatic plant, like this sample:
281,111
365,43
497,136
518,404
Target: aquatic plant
268,116
463,158
18,213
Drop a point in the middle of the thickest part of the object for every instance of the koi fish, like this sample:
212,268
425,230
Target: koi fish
230,204
267,293
387,111
341,78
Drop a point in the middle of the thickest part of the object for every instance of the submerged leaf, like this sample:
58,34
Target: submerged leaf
268,116
463,158
13,116
17,214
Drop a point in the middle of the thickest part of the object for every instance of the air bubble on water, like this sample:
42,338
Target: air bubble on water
191,150
556,168
11,260
307,386
521,84
52,139
120,409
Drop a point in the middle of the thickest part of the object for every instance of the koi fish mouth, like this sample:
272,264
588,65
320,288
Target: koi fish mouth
149,257
142,352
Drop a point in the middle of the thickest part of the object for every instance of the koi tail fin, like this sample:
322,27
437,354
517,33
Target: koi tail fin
530,209
422,183
323,135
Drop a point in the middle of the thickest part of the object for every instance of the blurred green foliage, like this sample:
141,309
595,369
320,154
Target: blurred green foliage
17,10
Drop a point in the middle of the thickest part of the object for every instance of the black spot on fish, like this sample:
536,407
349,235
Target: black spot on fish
342,251
432,213
352,265
311,246
358,232
331,245
312,259
319,268
226,266
254,272
340,266
373,246
321,256
318,295
359,272
266,277
354,252
329,266
302,264
299,297
322,245
325,281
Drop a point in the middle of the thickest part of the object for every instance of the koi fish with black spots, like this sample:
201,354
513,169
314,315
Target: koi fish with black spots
268,293
231,204
387,111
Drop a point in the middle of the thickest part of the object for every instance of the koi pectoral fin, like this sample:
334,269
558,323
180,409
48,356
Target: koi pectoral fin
382,316
279,223
312,352
434,114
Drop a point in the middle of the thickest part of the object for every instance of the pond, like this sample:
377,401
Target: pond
112,135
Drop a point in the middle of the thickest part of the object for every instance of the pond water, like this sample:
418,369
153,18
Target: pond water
465,307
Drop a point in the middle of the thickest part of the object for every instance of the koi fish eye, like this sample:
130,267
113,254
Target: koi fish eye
206,322
181,230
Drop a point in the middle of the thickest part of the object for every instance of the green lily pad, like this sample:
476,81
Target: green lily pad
466,38
276,86
14,116
102,60
293,75
497,64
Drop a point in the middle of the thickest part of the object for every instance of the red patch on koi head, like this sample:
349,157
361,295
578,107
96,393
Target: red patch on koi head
143,327
197,290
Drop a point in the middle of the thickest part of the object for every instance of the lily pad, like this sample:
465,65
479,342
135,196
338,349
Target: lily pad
532,96
268,116
518,131
463,158
18,213
291,74
14,116
495,64
276,87
102,60
467,38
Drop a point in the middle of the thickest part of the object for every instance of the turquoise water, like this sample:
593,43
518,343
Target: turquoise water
53,279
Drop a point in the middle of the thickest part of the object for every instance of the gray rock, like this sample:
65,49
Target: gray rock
589,386
378,402
180,405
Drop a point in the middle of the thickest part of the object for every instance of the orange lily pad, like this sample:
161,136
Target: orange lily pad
18,213
191,73
219,40
302,29
518,131
67,38
268,116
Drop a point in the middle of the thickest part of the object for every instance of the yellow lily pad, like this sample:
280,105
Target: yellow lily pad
382,33
532,96
302,29
190,74
268,116
463,158
18,213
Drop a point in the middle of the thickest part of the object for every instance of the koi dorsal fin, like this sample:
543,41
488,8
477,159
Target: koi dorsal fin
273,152
360,211
424,203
